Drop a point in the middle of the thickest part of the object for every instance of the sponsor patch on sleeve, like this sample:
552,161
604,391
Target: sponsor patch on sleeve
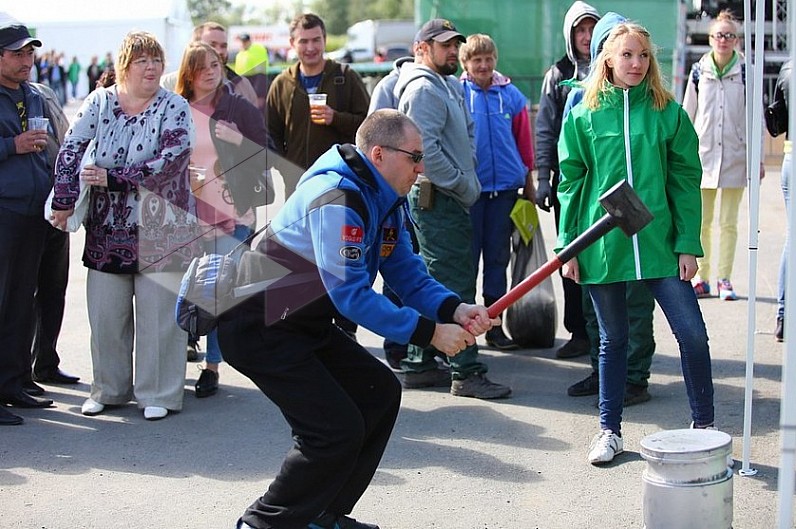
353,234
386,249
352,253
390,234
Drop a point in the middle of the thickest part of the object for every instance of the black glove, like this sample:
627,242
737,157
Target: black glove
544,193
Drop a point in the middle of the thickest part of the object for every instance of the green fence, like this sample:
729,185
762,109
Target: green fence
529,33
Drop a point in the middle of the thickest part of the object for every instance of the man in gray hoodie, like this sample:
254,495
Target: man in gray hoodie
578,26
440,200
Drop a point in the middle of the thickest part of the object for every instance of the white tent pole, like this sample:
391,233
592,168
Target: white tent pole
787,420
754,119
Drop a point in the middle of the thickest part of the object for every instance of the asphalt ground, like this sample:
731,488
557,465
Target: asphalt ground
452,463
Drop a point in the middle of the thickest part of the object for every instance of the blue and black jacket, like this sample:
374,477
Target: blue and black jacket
25,180
344,225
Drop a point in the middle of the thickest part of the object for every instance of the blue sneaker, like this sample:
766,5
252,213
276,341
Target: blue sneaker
330,521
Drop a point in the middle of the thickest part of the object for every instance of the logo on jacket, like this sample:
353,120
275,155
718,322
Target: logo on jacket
389,234
352,253
352,234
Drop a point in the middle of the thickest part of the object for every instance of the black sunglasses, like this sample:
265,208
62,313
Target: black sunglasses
722,36
416,157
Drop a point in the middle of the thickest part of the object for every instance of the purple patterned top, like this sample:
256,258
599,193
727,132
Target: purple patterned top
145,220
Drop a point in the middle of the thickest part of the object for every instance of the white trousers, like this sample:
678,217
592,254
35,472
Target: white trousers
127,310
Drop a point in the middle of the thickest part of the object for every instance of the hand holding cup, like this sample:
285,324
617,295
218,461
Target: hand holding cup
197,174
37,133
318,109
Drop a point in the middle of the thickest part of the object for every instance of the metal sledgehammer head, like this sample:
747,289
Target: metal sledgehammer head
624,210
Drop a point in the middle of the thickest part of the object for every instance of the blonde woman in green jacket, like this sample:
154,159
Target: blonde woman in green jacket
630,128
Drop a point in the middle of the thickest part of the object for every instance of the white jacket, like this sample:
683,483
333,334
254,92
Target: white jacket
718,112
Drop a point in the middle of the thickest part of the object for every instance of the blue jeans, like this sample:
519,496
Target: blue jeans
679,305
783,266
492,225
221,245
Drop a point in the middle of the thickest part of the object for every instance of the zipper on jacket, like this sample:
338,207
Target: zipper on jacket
629,169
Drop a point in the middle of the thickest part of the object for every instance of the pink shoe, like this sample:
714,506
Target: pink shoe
726,292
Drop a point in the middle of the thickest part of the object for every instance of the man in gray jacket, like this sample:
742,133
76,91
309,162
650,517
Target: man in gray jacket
429,94
578,26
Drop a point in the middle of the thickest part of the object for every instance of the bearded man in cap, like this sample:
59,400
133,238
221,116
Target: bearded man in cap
25,182
440,201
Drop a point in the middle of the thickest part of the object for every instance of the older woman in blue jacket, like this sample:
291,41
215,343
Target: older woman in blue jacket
504,149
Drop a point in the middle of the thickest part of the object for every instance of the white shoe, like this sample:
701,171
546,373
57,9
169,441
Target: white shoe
730,460
91,407
153,413
604,447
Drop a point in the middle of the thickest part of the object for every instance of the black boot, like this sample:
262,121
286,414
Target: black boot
495,337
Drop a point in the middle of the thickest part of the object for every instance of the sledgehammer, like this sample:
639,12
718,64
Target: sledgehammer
624,210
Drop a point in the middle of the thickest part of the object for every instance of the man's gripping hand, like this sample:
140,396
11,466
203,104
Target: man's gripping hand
474,318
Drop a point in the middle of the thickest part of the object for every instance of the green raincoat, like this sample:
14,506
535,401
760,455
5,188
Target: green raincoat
657,153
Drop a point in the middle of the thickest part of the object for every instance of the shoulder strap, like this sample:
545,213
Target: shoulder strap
695,73
339,84
348,197
342,197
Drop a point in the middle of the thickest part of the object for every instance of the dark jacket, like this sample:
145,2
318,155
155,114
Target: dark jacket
25,179
782,91
554,94
288,112
249,159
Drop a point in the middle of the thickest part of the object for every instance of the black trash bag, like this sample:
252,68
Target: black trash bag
532,319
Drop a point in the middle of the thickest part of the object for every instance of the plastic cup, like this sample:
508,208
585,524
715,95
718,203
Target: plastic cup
38,123
198,175
317,101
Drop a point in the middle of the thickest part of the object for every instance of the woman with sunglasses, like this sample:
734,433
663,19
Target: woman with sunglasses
715,100
230,138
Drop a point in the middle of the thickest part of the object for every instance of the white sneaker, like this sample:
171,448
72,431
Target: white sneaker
604,447
91,407
153,413
730,460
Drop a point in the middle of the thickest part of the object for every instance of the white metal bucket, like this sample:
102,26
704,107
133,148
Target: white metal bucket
687,483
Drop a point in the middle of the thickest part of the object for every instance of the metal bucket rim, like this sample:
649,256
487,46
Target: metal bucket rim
685,444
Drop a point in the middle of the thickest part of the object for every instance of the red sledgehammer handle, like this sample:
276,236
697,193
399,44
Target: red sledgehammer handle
539,275
600,228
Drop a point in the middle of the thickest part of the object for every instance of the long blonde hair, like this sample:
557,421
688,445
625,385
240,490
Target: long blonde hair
599,80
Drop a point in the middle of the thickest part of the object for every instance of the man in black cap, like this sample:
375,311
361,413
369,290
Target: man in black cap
25,181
